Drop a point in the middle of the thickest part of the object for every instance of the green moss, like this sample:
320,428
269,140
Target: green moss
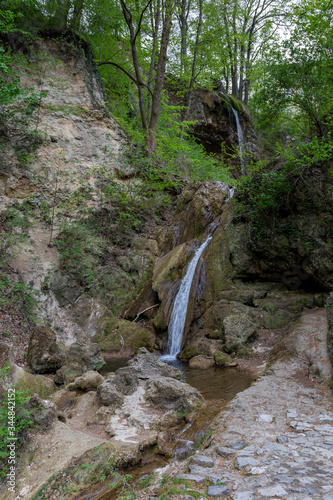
278,320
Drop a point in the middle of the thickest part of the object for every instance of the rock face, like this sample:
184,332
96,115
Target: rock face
80,358
329,307
44,354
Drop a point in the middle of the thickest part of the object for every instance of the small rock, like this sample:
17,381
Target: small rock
216,491
191,477
282,439
242,495
272,491
225,452
242,462
291,414
267,419
238,445
202,460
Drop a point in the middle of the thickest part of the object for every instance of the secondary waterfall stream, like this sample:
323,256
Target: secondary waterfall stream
241,141
178,315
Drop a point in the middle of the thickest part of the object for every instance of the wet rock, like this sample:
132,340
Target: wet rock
80,358
148,365
107,392
89,381
44,354
221,358
64,398
170,394
42,413
201,362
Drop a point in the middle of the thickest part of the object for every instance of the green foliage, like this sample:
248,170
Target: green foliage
22,421
266,194
80,252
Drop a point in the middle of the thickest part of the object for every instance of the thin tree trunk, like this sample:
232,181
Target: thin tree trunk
153,55
194,67
160,75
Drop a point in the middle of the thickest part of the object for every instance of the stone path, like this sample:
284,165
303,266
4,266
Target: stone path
274,440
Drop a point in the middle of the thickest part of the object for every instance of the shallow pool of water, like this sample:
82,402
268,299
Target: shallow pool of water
216,383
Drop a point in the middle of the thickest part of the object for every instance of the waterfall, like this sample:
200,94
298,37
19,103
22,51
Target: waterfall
178,315
241,141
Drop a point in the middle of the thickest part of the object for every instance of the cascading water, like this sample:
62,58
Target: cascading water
241,141
178,315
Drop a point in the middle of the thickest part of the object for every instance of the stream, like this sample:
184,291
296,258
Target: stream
217,385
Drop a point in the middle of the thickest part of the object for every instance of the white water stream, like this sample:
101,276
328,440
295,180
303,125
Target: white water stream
178,315
241,141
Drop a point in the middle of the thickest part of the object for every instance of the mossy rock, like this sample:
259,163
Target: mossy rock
221,358
33,384
277,320
119,335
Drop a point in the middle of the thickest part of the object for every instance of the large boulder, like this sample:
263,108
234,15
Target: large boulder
89,381
15,375
201,362
148,365
124,337
81,357
44,354
42,412
107,392
170,394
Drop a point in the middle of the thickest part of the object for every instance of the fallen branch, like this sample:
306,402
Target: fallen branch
148,308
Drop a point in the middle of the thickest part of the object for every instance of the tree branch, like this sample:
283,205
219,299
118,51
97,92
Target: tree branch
126,73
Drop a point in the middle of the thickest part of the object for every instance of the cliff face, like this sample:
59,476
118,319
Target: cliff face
55,166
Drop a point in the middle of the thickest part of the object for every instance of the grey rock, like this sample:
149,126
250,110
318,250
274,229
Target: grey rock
305,490
242,462
107,393
126,380
292,413
169,394
272,491
202,460
191,477
284,479
81,357
43,413
225,452
282,439
147,365
267,419
238,445
242,495
216,491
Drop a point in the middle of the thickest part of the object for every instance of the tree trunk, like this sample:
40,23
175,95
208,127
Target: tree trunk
194,67
156,26
160,75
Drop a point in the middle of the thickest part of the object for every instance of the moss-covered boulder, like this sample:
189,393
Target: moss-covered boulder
45,355
124,337
16,376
